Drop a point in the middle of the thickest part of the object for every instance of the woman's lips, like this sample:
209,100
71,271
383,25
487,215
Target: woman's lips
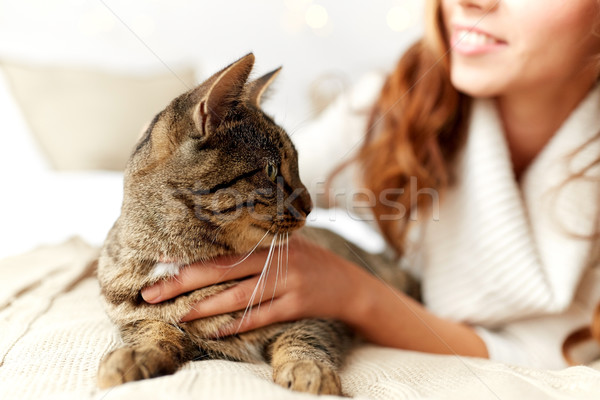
472,41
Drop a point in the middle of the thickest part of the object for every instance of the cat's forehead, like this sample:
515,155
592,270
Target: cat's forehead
256,132
247,133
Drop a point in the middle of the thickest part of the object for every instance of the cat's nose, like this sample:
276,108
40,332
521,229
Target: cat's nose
303,202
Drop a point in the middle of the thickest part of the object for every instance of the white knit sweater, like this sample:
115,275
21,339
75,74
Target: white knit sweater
501,256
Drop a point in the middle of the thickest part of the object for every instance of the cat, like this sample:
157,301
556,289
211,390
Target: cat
212,140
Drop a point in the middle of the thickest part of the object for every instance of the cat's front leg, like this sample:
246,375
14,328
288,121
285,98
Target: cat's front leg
153,348
307,356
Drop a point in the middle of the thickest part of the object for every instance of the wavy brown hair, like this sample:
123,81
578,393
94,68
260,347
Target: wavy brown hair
415,130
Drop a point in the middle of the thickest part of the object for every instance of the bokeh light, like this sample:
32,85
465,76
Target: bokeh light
400,18
316,16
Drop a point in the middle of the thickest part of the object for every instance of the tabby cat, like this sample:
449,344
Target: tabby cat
212,140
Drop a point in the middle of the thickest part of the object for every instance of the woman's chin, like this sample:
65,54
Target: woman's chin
475,86
476,91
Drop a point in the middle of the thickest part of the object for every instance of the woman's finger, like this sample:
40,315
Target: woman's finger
202,274
257,318
247,293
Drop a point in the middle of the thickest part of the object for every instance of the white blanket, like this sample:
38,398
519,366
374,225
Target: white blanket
53,334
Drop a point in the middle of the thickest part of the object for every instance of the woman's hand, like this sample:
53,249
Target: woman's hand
302,281
314,282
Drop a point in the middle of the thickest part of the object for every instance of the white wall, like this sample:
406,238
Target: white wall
357,36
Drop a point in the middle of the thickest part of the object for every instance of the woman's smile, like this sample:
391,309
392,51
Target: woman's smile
468,40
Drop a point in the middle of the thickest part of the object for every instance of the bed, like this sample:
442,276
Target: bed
54,332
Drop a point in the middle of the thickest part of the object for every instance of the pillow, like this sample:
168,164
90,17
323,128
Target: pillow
88,119
19,151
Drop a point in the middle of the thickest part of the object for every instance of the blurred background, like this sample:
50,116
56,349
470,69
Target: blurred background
80,78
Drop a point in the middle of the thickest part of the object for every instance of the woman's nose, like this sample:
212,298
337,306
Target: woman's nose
483,5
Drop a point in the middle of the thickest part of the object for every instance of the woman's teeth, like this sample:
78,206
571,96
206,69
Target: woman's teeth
475,38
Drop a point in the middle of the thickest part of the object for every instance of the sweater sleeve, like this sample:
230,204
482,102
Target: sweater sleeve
537,341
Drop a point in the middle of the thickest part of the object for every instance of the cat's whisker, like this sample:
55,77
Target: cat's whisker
194,308
268,269
245,257
279,248
260,278
176,277
217,232
249,253
262,274
287,256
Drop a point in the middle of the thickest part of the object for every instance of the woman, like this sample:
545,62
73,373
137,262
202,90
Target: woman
496,109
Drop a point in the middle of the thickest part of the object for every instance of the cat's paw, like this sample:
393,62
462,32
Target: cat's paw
309,376
128,364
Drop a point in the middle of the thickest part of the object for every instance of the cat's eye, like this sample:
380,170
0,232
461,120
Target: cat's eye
271,171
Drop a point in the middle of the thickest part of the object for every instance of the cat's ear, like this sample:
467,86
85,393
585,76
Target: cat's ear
258,87
225,88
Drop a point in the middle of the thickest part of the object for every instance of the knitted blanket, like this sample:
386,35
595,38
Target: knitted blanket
53,334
